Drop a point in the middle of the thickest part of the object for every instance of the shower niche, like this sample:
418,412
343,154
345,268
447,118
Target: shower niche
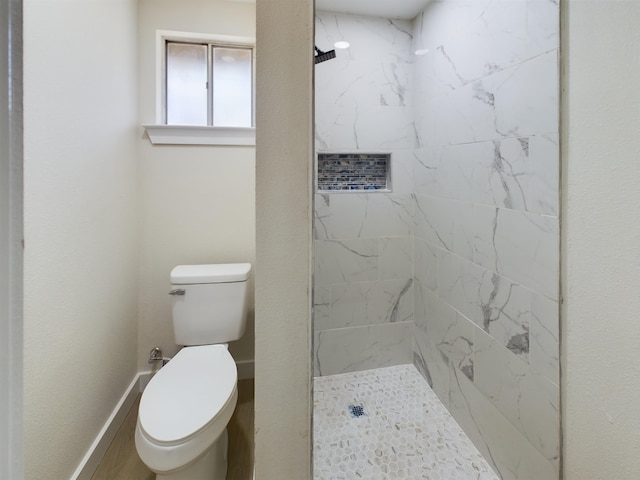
353,172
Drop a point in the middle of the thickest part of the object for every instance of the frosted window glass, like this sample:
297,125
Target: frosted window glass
186,84
232,87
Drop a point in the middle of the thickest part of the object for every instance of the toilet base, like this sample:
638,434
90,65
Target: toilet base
212,465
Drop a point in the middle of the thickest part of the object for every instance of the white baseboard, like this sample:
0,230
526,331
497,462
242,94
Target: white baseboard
93,457
144,378
98,448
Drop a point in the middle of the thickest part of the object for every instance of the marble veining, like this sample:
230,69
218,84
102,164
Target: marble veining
512,454
353,349
406,432
455,270
360,215
371,303
519,101
545,337
397,85
495,304
521,394
345,261
444,223
519,246
393,313
505,172
364,127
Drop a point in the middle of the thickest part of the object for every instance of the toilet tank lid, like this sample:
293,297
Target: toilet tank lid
212,273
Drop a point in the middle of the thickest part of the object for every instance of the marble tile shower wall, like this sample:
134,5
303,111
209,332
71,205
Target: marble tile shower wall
486,225
363,242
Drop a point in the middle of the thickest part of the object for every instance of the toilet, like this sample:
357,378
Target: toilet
181,433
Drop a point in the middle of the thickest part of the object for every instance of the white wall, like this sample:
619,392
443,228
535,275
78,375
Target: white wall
601,239
10,239
80,272
283,233
197,202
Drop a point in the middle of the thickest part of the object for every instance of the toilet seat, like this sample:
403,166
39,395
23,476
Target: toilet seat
186,406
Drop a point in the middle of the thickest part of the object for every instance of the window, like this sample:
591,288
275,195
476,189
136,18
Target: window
204,90
208,84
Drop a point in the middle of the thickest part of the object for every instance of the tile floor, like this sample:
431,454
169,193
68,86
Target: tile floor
388,424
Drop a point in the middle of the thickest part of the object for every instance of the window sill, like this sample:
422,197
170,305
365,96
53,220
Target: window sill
200,135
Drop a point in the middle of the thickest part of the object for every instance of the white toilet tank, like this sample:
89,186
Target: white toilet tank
209,303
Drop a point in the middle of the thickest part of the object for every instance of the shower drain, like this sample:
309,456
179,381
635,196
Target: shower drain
357,411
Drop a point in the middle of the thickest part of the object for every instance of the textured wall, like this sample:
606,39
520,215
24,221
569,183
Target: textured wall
197,202
486,225
283,239
601,239
80,271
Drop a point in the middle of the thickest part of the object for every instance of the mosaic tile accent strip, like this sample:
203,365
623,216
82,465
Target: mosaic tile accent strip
407,432
353,171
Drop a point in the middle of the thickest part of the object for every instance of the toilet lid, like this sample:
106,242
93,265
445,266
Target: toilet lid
188,393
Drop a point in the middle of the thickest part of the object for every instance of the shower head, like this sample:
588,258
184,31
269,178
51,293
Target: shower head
324,56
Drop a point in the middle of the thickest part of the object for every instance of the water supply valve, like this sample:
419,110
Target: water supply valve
155,354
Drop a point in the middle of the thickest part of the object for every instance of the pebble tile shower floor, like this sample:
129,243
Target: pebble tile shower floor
402,430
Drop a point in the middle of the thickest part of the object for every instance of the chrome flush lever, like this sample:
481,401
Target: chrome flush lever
177,291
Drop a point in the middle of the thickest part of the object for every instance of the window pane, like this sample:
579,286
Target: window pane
232,87
186,84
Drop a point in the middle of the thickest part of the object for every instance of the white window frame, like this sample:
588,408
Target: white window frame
162,134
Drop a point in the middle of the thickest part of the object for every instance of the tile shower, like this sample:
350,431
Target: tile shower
455,269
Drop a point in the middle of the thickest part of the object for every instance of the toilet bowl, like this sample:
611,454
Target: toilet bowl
182,420
184,411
